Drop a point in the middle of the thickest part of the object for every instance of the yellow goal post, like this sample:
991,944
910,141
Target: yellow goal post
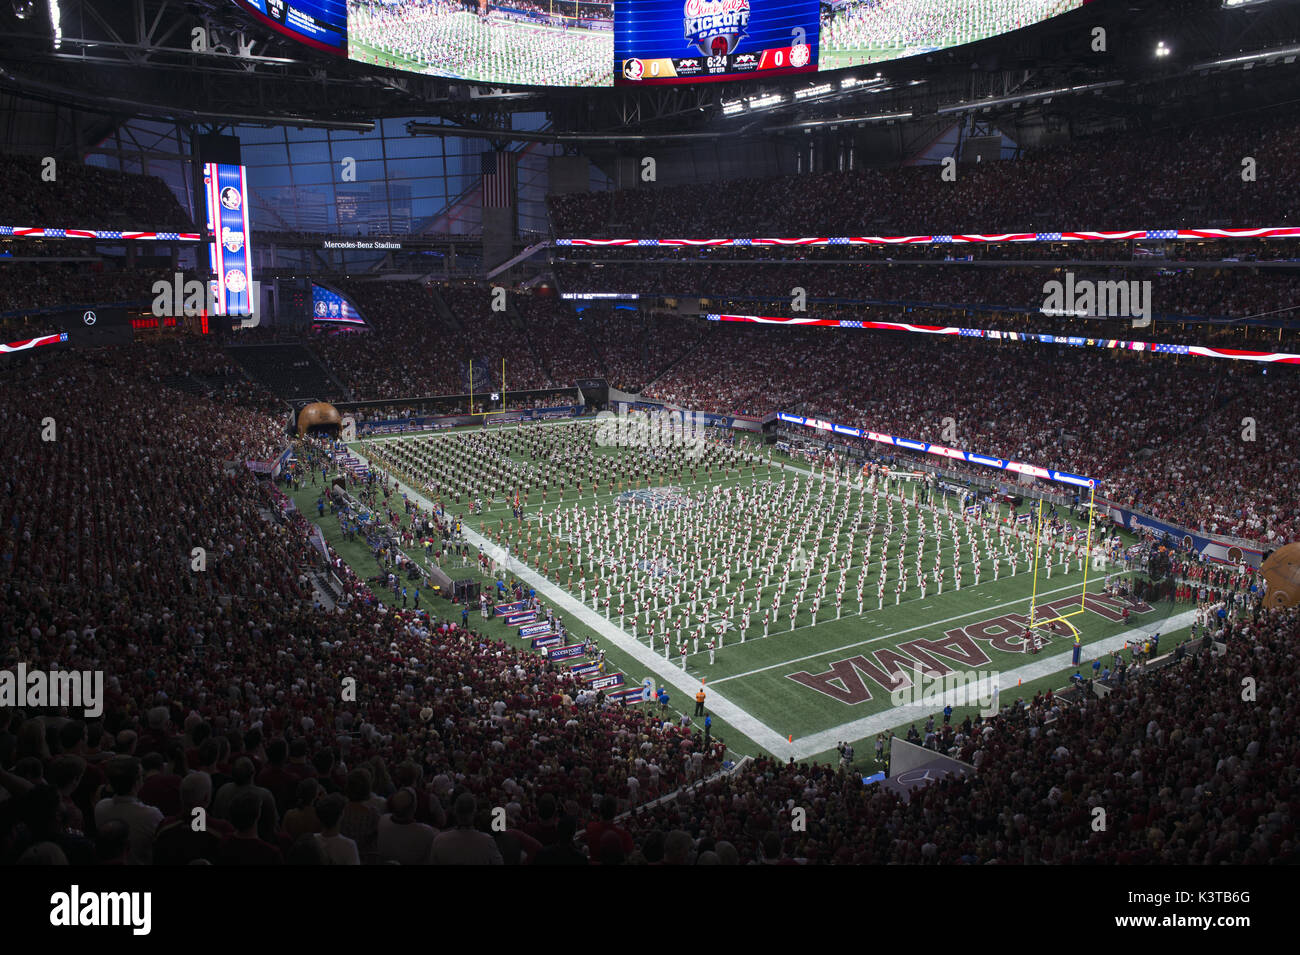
1034,620
485,415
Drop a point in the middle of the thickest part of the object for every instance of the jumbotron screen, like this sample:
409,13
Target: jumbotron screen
226,201
677,41
322,24
641,42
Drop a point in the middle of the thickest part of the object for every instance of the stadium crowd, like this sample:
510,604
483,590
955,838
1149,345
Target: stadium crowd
1210,293
1092,413
1190,188
85,197
222,689
1190,776
222,684
29,287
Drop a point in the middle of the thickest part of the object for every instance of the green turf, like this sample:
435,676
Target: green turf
755,675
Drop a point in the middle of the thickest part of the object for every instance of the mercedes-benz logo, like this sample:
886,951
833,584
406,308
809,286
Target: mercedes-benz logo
89,318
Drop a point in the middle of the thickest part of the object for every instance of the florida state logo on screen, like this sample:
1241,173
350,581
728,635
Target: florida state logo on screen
715,27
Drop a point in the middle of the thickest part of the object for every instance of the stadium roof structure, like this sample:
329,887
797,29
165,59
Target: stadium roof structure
120,58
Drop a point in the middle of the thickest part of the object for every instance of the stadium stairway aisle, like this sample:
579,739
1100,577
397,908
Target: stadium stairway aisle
576,657
347,461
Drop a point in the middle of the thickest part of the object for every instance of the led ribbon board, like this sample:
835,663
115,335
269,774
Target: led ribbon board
52,232
1271,232
27,344
970,457
1078,341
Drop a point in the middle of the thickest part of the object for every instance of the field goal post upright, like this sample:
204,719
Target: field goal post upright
1087,549
1062,618
483,415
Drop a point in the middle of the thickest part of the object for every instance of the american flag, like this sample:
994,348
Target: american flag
498,179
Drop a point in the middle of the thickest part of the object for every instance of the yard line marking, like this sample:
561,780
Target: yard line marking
664,670
886,636
893,716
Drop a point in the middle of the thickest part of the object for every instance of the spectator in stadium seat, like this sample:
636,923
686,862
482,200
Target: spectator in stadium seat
124,805
401,839
245,846
302,819
563,852
177,841
360,819
597,828
464,845
336,847
677,848
241,774
545,827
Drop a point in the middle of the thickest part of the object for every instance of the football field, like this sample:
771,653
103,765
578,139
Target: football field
652,546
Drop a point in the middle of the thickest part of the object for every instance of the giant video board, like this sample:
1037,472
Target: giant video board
587,43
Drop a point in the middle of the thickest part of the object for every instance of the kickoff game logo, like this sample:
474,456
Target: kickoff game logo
715,27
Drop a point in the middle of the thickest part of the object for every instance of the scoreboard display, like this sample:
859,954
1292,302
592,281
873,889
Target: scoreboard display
328,305
319,23
598,43
226,200
686,41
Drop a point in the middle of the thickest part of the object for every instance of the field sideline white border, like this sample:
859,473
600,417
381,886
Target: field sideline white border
762,734
663,669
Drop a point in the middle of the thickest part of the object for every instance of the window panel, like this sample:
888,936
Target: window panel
358,148
413,147
264,155
308,174
309,152
257,134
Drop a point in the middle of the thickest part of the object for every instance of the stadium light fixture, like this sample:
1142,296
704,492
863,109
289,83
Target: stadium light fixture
850,82
1250,59
56,23
1043,95
809,125
819,90
1162,50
